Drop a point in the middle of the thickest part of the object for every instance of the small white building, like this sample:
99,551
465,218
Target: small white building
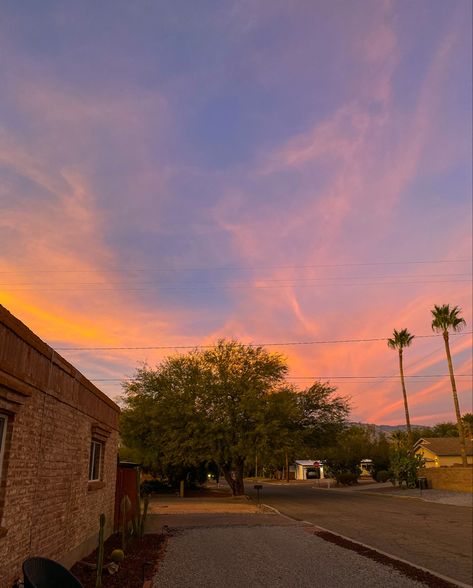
366,467
308,469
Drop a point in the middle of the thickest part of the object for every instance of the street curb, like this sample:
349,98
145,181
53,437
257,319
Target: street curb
379,551
277,512
371,493
368,493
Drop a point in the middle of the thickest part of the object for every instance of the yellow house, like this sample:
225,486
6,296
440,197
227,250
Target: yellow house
442,451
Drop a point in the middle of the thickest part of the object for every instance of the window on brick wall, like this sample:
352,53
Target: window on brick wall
3,435
95,462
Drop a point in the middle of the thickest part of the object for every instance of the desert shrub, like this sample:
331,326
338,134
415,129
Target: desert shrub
404,467
346,478
382,476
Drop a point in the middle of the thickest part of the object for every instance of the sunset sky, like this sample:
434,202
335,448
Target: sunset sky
294,171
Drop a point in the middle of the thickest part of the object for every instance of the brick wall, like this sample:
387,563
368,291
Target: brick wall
47,505
449,478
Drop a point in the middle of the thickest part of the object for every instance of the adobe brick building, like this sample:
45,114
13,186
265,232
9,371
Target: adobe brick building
58,454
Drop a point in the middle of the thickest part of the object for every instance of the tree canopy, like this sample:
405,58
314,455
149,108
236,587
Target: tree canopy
224,405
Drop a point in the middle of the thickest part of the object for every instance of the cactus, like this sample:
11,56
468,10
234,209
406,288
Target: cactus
143,516
117,556
125,506
98,581
140,519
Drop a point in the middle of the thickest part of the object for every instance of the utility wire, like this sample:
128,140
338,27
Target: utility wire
331,378
286,344
234,287
196,269
288,281
372,384
375,377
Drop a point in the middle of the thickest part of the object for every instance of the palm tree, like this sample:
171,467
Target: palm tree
398,437
467,421
400,340
445,318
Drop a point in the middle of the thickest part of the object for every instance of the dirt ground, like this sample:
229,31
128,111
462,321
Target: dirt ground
212,502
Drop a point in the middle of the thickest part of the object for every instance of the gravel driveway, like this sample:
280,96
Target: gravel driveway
267,556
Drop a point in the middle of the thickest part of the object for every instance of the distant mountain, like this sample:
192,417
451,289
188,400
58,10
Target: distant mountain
386,428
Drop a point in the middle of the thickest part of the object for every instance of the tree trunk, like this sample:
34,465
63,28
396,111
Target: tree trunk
406,408
234,478
455,401
287,468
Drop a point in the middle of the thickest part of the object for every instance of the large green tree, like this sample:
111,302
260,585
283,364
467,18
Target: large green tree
239,379
445,319
399,341
222,405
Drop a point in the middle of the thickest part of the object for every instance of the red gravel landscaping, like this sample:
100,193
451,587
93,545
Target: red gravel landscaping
141,557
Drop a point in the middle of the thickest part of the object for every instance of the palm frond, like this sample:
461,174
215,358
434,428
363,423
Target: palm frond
400,339
446,318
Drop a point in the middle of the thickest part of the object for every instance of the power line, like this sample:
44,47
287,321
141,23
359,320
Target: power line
331,378
372,384
197,269
377,377
234,287
273,344
289,281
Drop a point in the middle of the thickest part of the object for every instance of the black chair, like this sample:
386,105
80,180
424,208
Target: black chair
40,572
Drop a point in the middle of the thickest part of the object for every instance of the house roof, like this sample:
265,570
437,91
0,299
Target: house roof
305,462
444,445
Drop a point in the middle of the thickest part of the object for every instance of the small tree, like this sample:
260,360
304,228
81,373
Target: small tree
404,467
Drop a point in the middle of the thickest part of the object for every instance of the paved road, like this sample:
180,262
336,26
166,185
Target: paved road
435,536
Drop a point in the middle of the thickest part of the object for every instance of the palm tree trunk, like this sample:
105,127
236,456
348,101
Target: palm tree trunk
406,408
455,401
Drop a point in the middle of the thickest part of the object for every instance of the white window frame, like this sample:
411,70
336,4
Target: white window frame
3,438
94,447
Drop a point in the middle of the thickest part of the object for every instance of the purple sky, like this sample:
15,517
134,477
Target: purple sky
175,172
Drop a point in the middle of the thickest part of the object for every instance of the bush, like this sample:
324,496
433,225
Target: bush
149,486
346,478
382,476
404,467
